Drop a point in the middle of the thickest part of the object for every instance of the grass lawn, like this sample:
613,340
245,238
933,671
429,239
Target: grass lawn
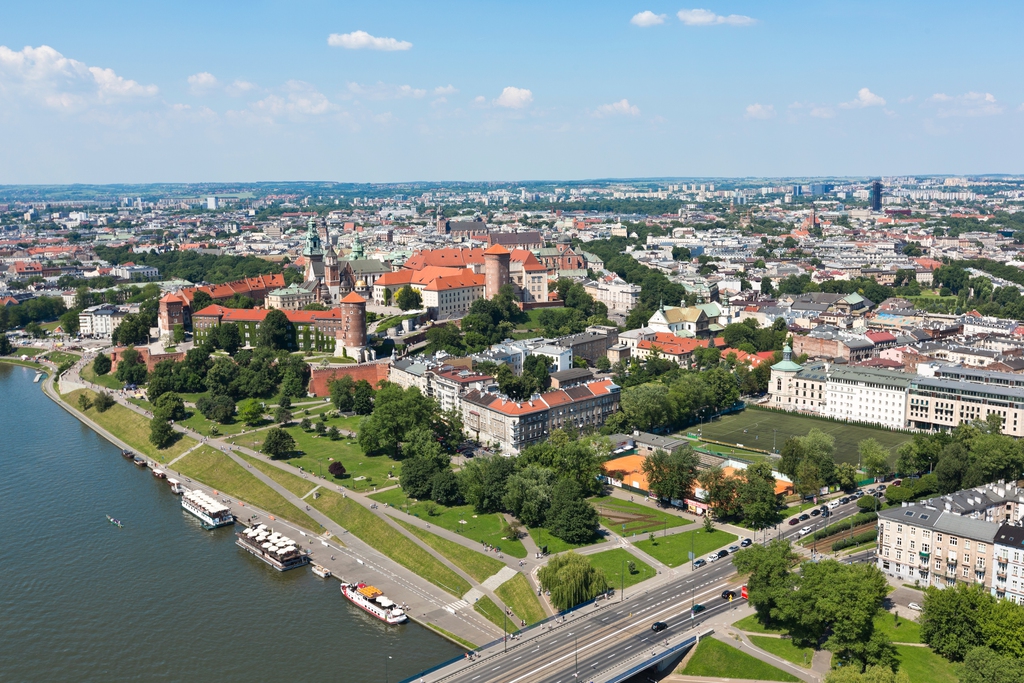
543,537
216,469
761,423
29,351
784,648
731,451
108,380
751,624
485,528
907,632
521,599
924,666
200,424
25,363
59,357
715,658
131,428
675,550
293,483
50,327
610,562
379,534
494,614
474,563
451,636
625,517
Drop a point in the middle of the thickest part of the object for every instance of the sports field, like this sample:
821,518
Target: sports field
759,425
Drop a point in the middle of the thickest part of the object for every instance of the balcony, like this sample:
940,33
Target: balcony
951,561
1001,573
924,555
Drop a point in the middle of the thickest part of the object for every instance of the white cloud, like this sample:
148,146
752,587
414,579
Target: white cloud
385,91
446,90
202,82
361,40
46,76
823,112
298,100
479,100
647,18
968,104
865,98
760,111
239,87
704,17
618,108
514,98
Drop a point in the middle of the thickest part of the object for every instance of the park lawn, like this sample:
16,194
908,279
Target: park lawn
29,351
494,614
761,423
130,427
521,599
924,666
485,528
218,470
731,451
532,320
27,364
907,632
108,380
297,485
60,357
451,636
751,624
784,648
611,563
197,422
50,327
474,563
543,537
377,533
625,517
675,550
715,658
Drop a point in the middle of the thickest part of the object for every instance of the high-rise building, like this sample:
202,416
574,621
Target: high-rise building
876,195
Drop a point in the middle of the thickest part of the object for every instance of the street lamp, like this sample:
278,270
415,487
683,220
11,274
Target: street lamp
576,653
386,669
774,449
622,575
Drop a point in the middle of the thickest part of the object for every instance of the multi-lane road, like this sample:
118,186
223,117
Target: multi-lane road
609,635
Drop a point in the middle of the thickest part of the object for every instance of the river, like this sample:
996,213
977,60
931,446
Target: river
160,599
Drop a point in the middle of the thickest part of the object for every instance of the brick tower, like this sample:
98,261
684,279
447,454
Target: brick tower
496,269
351,336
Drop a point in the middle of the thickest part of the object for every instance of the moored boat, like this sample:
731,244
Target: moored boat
176,486
127,455
373,601
139,460
321,571
115,522
159,474
212,513
277,550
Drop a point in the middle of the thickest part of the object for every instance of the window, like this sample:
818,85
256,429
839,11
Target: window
953,540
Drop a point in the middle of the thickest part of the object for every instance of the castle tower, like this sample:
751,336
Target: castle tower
351,336
496,269
332,272
313,250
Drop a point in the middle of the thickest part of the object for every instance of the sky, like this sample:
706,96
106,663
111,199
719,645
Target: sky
390,91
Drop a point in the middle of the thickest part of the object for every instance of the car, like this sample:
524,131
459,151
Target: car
793,520
733,549
745,542
833,505
697,608
897,482
728,594
804,517
659,626
825,514
805,530
713,557
815,512
844,500
916,607
859,494
698,563
722,553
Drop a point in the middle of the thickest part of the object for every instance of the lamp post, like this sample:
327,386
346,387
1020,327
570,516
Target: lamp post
386,669
774,433
504,628
622,575
576,653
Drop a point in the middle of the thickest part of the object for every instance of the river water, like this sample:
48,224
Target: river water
160,599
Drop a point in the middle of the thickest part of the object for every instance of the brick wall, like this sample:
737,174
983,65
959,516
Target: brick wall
150,359
372,372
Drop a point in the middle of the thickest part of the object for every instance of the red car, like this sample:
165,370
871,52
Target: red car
794,520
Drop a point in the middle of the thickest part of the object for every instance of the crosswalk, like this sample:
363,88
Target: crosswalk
456,606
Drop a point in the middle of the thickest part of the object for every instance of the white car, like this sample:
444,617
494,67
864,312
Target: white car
713,557
805,530
833,505
916,607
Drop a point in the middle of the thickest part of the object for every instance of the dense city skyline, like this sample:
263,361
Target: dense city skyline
398,92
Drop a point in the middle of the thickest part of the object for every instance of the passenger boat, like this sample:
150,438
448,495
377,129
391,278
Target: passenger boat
139,460
211,513
321,571
115,522
176,487
159,474
277,550
127,455
372,600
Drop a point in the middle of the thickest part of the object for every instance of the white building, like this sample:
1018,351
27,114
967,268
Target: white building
1009,564
135,272
867,395
100,321
617,295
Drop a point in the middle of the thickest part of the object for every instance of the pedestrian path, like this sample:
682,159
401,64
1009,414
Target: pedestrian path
503,575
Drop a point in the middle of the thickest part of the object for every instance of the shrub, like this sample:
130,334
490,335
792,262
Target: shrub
857,520
101,365
856,539
103,401
336,469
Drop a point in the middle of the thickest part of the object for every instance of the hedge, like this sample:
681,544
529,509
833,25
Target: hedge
856,539
858,519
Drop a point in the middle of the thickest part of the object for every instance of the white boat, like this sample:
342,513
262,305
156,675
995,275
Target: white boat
159,473
211,513
279,551
372,600
176,486
321,571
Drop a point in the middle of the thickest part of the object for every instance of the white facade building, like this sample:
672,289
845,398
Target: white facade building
100,321
867,395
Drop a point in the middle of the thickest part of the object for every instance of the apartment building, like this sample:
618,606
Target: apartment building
798,387
616,294
867,395
1009,564
958,394
100,321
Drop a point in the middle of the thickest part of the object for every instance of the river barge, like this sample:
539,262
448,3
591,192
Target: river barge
212,513
372,600
277,550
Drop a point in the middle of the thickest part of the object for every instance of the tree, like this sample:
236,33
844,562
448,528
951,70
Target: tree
483,482
35,329
134,329
1003,631
275,331
983,665
362,398
200,300
227,337
572,580
217,408
341,393
282,415
101,364
336,469
770,578
756,496
161,434
320,429
719,491
333,434
647,406
131,369
306,424
954,618
528,494
571,517
84,403
671,475
69,322
603,364
408,298
444,487
250,412
178,333
104,401
170,407
278,443
791,456
417,477
846,476
5,345
872,674
874,458
445,338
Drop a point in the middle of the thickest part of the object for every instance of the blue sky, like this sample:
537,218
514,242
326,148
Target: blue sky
245,91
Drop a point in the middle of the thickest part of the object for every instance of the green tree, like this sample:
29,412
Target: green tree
278,443
872,674
84,403
170,407
647,406
200,300
572,580
528,494
161,434
275,331
571,517
846,476
222,378
983,665
69,322
719,491
444,487
104,402
445,338
217,408
483,481
362,398
1003,631
756,496
954,618
5,345
671,475
130,368
250,412
791,455
417,477
101,364
874,458
408,298
227,337
603,364
282,415
770,578
178,334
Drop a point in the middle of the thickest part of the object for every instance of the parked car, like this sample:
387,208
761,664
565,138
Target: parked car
844,500
728,594
713,557
745,542
733,548
723,553
659,626
793,521
699,562
916,607
805,530
815,512
804,517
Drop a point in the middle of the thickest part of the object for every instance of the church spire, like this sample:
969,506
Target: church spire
313,246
